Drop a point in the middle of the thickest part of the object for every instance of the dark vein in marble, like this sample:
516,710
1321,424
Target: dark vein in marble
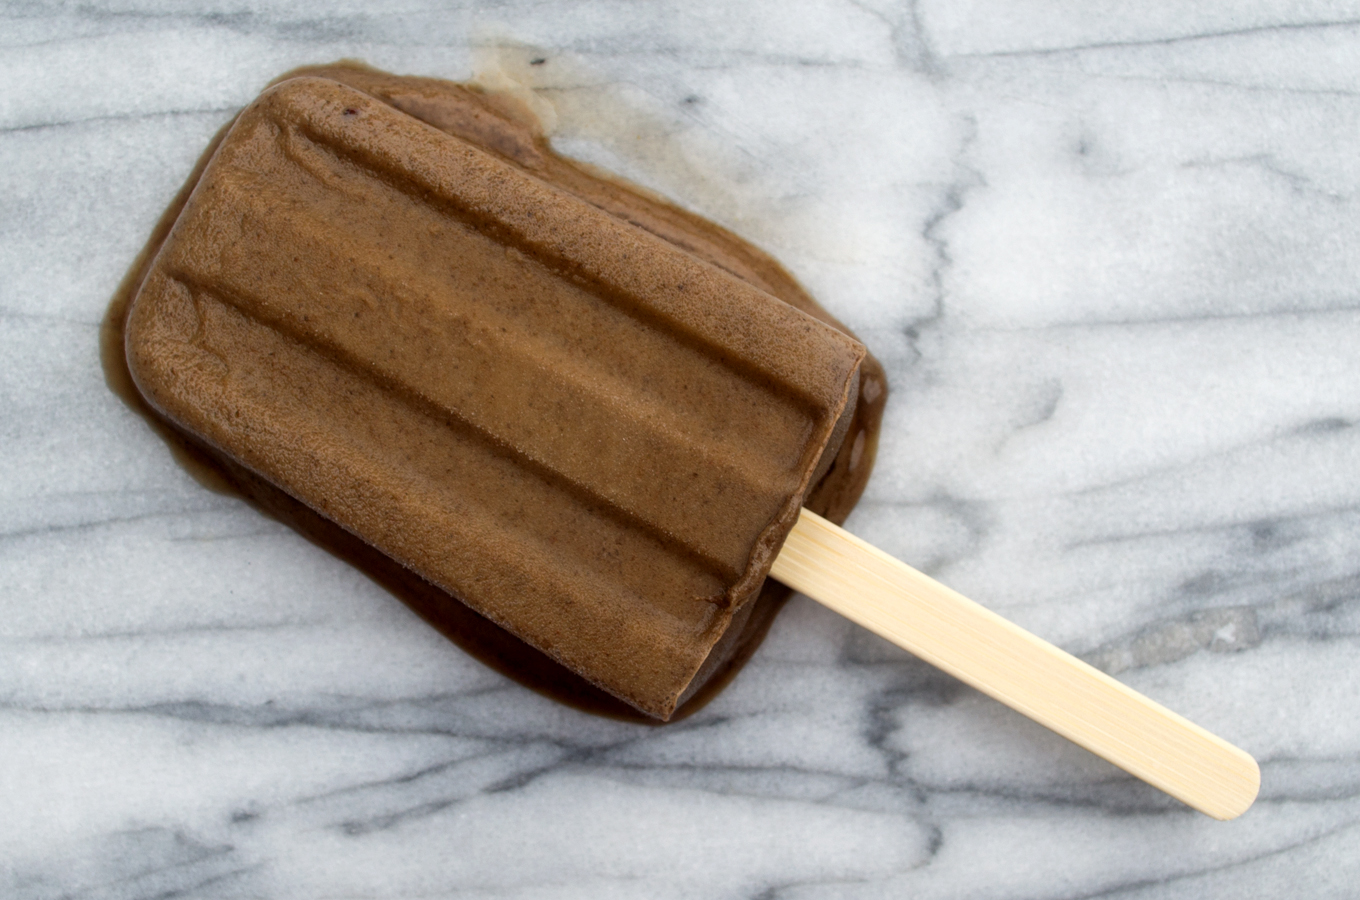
1322,611
230,875
1320,427
1319,787
387,821
593,763
1129,887
911,45
154,872
730,58
117,117
58,513
314,29
1119,795
921,47
1266,162
401,809
1281,28
270,716
953,197
77,526
780,888
1325,611
355,827
696,56
567,757
406,778
1208,317
90,524
351,715
1222,630
154,633
603,756
1161,80
140,864
1045,407
1254,522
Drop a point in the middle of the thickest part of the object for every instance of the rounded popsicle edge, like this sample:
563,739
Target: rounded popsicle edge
1025,672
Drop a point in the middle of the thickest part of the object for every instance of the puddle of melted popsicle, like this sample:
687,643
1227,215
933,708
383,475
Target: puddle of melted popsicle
500,126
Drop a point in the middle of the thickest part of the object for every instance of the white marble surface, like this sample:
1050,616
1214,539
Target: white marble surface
1109,256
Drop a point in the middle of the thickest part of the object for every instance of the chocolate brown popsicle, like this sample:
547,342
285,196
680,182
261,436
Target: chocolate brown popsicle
467,357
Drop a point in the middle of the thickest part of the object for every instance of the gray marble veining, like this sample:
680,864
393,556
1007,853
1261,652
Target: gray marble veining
1109,257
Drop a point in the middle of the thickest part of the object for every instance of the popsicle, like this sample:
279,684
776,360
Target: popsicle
591,436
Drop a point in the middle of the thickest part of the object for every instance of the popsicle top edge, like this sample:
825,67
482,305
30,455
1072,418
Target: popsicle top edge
704,303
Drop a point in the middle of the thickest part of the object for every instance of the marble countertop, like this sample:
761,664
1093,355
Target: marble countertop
1110,260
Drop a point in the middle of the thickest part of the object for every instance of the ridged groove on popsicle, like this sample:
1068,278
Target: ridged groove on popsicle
560,572
694,302
358,312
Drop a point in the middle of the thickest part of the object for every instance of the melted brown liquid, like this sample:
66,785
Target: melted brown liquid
500,126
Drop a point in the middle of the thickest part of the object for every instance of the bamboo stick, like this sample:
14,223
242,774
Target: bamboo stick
1026,673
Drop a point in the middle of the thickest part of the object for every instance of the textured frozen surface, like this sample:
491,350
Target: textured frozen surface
1110,261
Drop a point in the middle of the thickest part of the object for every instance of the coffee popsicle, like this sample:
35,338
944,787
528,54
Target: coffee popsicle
468,368
590,436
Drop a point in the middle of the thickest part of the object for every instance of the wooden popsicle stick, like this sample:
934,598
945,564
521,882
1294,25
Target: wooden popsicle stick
1028,674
